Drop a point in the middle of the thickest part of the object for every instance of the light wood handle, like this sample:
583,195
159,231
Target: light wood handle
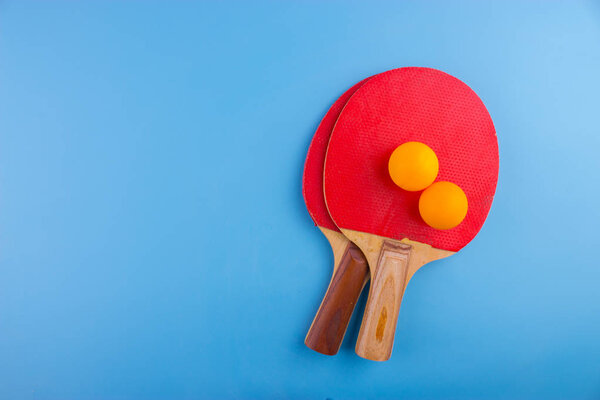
329,326
388,280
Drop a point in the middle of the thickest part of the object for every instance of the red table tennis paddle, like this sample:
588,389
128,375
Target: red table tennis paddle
401,105
350,271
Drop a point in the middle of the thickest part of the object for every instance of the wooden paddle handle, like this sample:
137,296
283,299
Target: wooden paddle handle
376,337
329,326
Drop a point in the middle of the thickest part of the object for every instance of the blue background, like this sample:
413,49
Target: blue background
154,243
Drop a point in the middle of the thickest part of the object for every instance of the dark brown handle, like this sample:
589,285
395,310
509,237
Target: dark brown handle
329,326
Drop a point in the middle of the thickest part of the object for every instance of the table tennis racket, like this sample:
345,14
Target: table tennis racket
350,271
397,106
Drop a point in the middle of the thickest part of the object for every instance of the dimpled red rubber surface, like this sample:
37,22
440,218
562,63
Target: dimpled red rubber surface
312,180
397,106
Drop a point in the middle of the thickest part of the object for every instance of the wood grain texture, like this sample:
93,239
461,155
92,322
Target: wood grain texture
350,274
392,264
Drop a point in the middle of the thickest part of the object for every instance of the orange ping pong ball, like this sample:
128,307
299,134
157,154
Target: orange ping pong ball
413,166
443,205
